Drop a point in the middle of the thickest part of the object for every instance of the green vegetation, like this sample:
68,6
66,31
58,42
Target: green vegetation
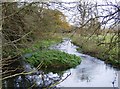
42,45
33,27
53,60
28,25
29,28
98,46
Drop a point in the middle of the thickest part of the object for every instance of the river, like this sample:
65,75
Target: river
91,72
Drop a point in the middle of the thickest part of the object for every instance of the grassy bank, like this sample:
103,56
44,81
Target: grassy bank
43,43
104,51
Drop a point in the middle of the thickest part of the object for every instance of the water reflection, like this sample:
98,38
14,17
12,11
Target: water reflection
35,80
90,73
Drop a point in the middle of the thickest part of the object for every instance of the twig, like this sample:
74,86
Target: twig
60,81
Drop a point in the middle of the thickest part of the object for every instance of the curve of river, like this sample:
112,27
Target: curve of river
92,72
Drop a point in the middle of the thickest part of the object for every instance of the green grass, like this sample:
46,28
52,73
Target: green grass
42,44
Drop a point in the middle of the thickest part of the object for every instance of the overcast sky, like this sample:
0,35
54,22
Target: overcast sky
100,1
70,13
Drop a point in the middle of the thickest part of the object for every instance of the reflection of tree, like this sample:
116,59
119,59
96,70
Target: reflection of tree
83,75
18,30
23,24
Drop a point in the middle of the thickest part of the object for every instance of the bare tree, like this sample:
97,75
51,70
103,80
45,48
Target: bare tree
88,20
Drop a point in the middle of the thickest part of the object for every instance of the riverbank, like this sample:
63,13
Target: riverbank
48,59
92,47
86,46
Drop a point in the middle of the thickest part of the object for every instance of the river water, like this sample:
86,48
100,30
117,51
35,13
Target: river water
92,72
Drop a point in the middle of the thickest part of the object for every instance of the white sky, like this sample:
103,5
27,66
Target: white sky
69,14
100,2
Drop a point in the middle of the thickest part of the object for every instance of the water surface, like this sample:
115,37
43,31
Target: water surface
92,72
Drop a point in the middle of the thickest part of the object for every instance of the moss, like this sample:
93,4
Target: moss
54,59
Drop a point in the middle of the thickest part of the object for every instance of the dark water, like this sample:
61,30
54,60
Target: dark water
34,79
92,72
